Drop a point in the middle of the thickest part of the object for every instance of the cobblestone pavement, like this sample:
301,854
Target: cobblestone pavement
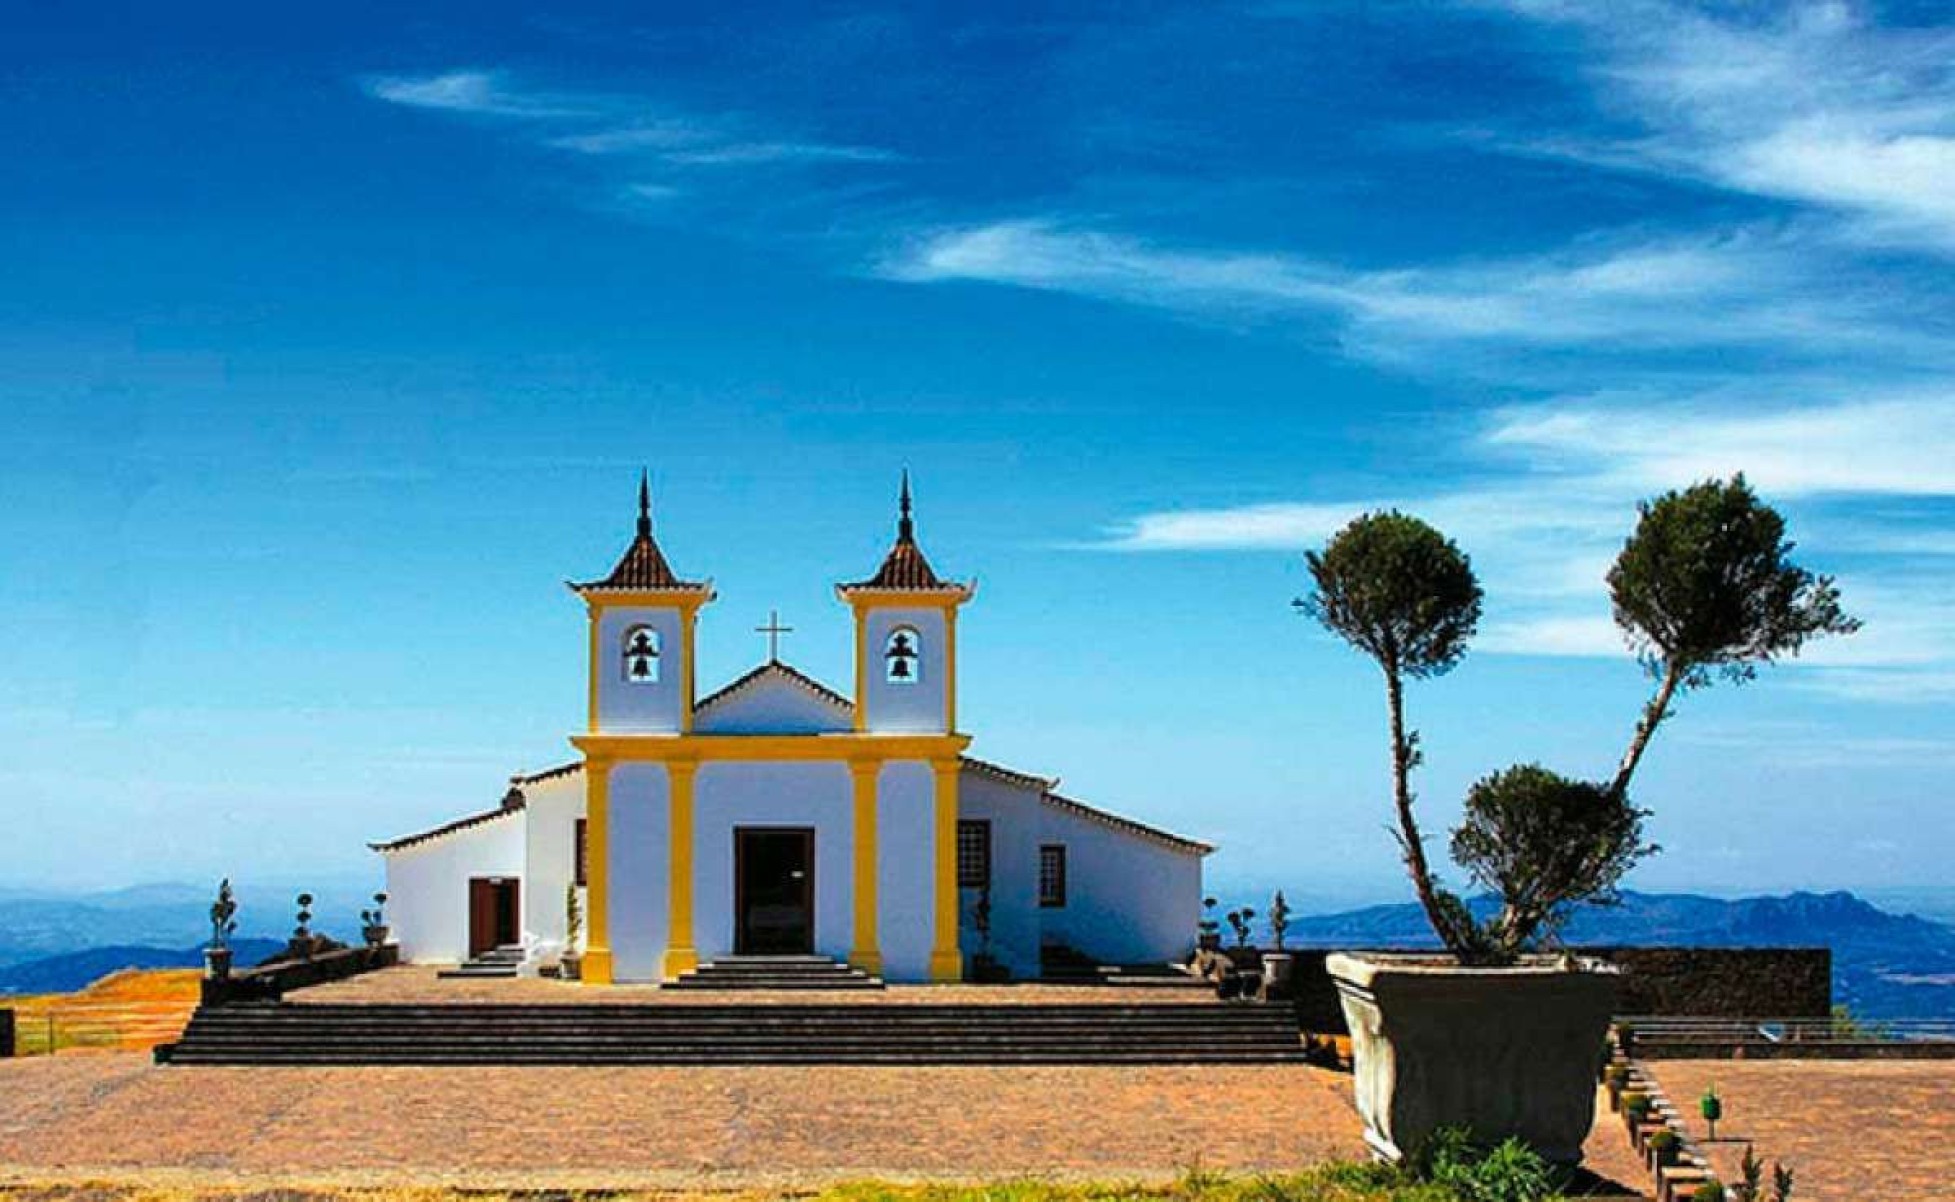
1848,1128
419,985
114,1116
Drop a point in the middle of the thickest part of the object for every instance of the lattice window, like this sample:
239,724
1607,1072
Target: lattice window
973,853
641,655
1052,875
902,656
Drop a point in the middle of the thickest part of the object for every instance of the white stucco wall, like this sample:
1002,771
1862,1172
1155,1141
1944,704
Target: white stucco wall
1129,899
624,706
792,794
427,885
907,708
550,842
772,706
638,854
1014,814
906,831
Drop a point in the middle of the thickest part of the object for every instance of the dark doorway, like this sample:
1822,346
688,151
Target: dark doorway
774,891
494,913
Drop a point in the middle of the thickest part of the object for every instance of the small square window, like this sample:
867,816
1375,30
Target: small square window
1052,875
973,853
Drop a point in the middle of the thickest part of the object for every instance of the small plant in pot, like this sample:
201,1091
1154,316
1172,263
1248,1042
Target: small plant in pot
1663,1148
373,923
985,968
223,925
1615,1079
1210,928
570,966
1279,967
1493,1036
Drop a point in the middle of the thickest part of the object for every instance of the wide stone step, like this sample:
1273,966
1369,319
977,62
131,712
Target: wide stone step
787,1033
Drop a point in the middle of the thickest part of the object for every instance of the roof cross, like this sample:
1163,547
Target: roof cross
773,630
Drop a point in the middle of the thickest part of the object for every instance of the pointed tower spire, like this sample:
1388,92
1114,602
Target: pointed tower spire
905,525
643,566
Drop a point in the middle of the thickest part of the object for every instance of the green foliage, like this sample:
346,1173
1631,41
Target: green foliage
1398,590
1509,1171
1635,1103
223,912
1710,1191
1544,843
1240,923
1279,918
573,917
1706,585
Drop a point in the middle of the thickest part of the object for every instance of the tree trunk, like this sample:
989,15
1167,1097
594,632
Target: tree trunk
1653,715
1408,825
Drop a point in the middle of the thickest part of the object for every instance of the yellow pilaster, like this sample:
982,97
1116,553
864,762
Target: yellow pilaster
866,951
861,669
950,670
946,961
680,954
597,851
688,617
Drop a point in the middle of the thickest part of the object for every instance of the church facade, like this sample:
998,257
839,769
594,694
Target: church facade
779,816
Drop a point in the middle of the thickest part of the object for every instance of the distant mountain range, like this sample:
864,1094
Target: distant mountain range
1884,965
75,970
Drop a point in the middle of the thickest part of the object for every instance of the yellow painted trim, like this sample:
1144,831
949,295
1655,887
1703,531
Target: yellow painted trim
950,669
900,598
946,960
861,670
590,723
688,642
683,748
680,954
866,950
597,892
681,599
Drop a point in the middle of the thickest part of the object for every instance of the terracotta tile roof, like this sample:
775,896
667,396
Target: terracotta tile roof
905,568
511,804
777,669
1010,776
1094,814
643,567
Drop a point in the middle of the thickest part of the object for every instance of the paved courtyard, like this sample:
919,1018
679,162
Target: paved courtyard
1848,1128
114,1116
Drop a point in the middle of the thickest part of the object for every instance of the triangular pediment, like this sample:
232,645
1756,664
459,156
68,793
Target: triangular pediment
774,699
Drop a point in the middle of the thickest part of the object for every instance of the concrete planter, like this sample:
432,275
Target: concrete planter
1279,972
1501,1051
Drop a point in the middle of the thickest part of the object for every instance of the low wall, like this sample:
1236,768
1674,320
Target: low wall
1708,982
6,1033
269,982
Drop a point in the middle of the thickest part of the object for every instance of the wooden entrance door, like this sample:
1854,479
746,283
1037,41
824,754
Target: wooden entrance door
774,890
494,913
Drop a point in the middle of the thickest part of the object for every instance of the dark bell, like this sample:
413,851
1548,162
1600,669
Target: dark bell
900,668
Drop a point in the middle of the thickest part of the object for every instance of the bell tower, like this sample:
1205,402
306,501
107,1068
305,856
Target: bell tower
641,638
905,639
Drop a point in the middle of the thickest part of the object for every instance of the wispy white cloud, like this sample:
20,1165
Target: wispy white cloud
1812,103
640,133
1748,289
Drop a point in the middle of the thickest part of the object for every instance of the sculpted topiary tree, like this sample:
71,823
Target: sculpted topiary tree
1706,587
1404,594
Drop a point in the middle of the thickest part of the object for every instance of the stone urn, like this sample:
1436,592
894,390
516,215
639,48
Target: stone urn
1279,969
1503,1052
217,963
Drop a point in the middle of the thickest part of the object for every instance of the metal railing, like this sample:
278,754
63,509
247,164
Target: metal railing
43,1028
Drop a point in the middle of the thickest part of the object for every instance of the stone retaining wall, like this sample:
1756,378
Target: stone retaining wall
269,982
1704,982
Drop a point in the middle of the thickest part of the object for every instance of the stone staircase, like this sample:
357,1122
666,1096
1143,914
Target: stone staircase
868,1033
735,973
496,962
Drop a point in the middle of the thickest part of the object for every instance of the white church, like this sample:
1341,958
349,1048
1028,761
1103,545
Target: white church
778,816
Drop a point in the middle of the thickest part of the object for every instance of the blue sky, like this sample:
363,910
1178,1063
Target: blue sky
330,344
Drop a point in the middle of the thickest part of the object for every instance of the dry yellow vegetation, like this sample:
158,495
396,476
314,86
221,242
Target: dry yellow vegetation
134,1009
